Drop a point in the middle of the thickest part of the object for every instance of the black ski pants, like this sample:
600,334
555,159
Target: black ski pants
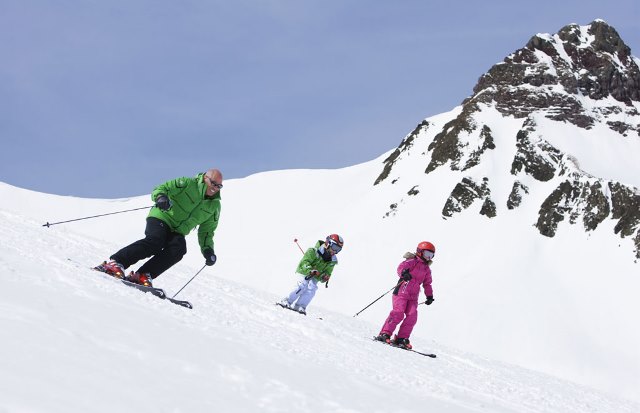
166,247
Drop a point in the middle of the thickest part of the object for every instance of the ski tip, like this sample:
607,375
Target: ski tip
185,304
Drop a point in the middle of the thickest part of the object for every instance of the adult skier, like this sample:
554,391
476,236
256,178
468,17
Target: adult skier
315,266
180,205
413,271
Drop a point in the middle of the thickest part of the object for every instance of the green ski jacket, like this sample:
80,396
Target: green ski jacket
190,207
313,261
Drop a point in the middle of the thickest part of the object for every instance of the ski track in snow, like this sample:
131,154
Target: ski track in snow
76,340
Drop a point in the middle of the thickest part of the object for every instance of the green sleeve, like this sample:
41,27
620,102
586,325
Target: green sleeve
170,187
307,263
329,269
206,231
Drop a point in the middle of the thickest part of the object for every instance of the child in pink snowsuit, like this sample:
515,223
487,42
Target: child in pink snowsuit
413,272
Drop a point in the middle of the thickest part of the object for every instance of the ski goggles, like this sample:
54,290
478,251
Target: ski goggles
335,247
427,255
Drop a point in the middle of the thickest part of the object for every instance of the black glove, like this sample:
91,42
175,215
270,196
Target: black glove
429,300
209,256
406,275
162,202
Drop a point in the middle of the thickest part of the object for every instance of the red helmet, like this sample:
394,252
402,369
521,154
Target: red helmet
335,238
424,245
335,242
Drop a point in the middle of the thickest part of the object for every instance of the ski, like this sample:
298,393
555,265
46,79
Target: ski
157,292
407,349
289,308
416,351
181,303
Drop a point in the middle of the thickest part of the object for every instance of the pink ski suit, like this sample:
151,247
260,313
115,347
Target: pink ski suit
405,302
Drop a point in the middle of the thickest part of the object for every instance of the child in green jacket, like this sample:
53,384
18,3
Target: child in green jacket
316,266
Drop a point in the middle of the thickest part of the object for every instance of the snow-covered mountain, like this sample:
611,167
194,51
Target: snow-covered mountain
508,294
557,123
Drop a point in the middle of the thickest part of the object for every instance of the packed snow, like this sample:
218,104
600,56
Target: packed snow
521,323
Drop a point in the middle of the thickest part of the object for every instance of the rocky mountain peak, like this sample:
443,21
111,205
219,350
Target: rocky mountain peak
578,61
582,76
599,36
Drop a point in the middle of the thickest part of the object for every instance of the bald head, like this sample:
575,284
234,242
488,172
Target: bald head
213,180
214,174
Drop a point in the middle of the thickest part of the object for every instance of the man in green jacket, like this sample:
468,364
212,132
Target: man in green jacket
180,205
315,266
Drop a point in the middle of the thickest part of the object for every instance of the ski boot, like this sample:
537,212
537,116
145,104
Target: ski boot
284,303
113,268
384,337
402,343
140,278
300,309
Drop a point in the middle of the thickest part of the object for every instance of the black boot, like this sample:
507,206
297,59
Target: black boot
402,343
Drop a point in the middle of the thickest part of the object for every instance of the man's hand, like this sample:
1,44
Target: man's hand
209,256
163,202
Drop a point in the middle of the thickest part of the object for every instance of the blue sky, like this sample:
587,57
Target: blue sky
107,99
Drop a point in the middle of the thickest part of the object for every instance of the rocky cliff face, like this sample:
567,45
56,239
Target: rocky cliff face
583,76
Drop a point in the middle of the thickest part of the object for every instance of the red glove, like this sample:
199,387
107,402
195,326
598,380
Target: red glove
325,278
312,274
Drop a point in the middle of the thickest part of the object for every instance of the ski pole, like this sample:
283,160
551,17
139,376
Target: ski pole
94,216
174,296
309,276
326,285
392,288
296,241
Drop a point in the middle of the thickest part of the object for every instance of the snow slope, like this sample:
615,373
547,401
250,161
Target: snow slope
75,341
563,306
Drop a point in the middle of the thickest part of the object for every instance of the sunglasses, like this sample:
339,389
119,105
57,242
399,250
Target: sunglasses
214,183
428,254
335,247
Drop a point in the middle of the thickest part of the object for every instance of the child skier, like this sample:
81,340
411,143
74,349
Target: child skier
316,266
413,271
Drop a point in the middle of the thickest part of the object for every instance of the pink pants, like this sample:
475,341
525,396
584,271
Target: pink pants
402,308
